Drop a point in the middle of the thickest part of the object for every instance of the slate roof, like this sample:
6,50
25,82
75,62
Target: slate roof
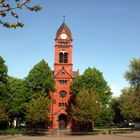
75,74
66,28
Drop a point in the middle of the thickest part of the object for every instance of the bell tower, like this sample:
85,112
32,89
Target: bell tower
63,50
63,76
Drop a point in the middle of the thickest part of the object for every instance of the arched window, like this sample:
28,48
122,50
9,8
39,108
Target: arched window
60,57
63,57
63,82
62,104
59,104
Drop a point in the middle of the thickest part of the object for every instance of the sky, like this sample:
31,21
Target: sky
106,35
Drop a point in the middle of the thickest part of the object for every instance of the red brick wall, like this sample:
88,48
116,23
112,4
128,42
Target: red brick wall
59,69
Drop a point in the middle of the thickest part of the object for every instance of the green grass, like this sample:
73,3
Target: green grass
23,131
12,131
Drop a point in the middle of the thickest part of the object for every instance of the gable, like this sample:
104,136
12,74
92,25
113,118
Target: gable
65,28
60,111
63,74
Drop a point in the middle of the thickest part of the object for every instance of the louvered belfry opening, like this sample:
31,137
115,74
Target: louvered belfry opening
63,57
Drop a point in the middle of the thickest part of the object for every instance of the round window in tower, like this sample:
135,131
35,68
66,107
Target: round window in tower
63,94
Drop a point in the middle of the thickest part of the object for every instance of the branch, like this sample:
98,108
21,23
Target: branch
6,8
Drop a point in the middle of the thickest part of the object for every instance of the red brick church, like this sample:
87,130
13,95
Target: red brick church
63,76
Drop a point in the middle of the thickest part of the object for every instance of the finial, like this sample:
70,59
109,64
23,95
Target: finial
64,18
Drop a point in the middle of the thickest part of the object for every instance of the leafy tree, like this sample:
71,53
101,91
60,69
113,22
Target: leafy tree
133,74
38,110
3,114
3,80
40,78
87,108
19,96
130,97
3,71
11,8
3,93
106,116
92,79
118,118
130,103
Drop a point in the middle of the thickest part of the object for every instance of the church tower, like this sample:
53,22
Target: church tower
63,76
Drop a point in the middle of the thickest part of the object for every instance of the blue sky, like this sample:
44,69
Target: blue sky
106,35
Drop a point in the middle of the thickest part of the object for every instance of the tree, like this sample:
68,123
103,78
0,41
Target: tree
87,108
3,114
133,74
38,110
3,80
106,116
10,8
19,96
3,93
118,118
92,79
130,103
40,79
3,71
130,97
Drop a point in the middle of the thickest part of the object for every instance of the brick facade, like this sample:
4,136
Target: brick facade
63,76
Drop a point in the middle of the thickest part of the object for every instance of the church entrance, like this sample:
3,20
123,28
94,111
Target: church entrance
62,121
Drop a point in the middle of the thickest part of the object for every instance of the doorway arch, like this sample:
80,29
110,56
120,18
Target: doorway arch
62,121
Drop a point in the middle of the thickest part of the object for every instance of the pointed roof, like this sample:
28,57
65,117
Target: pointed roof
66,28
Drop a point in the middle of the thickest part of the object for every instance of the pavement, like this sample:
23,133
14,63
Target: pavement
132,136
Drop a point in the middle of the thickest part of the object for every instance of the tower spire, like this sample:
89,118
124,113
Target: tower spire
64,19
64,27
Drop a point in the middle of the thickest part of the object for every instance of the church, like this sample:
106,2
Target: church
63,75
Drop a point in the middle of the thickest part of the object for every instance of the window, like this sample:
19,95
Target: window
59,104
62,104
63,73
63,94
63,82
63,43
63,57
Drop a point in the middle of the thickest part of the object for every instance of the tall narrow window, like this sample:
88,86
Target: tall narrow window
63,57
60,57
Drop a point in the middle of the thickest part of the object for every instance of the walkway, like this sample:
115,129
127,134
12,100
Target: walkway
133,136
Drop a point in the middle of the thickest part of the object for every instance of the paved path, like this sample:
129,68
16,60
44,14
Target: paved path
133,136
100,137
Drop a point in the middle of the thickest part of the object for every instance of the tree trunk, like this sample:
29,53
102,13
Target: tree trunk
93,125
